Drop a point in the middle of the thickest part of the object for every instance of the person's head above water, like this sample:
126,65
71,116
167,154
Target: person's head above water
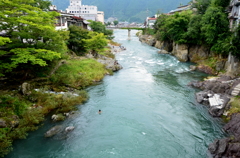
99,111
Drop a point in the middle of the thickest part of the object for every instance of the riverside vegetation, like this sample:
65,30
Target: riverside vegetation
202,35
36,56
207,25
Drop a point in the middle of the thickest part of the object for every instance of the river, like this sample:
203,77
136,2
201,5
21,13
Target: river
148,111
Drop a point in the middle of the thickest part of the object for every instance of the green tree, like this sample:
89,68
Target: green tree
4,40
32,32
201,6
194,34
221,3
96,43
76,40
115,22
174,27
214,24
100,28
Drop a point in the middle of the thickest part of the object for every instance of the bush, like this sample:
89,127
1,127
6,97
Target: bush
31,117
79,73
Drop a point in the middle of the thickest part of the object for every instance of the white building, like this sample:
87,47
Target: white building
100,16
85,11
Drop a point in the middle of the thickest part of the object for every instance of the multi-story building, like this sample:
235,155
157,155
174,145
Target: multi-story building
100,16
85,11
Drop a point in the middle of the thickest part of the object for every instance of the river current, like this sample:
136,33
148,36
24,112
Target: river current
148,111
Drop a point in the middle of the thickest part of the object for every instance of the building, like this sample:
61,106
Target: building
84,11
234,13
66,19
100,16
180,9
150,21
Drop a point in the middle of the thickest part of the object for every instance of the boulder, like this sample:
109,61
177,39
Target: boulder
218,110
163,52
53,131
148,39
193,67
218,147
206,69
233,126
110,63
69,129
151,41
3,123
26,88
197,52
180,51
164,45
220,64
232,66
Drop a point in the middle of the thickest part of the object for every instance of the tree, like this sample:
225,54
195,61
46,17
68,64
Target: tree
32,32
201,6
100,28
76,40
194,34
115,22
174,27
96,43
4,40
214,24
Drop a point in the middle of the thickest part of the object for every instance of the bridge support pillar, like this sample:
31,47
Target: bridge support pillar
129,34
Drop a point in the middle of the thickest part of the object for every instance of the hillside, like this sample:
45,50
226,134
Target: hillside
129,10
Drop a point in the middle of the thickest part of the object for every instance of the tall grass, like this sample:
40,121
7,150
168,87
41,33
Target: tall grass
31,112
235,105
79,73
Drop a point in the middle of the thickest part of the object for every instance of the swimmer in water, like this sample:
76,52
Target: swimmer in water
99,111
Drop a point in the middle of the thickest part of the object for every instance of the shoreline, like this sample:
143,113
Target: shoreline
218,93
47,99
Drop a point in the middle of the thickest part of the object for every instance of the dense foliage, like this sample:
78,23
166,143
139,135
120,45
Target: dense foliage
76,41
100,28
208,24
34,40
31,46
129,10
21,116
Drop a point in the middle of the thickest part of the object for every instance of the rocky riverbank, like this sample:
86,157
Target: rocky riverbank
220,94
26,103
206,60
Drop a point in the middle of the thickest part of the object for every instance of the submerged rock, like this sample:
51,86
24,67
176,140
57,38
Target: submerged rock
69,129
53,131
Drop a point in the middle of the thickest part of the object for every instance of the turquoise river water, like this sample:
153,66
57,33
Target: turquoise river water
148,111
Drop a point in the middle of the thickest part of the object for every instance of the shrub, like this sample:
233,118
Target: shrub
79,73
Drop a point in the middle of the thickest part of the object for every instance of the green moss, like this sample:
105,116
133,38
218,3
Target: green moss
235,105
211,62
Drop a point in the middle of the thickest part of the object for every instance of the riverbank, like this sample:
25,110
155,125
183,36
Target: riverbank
220,94
23,109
